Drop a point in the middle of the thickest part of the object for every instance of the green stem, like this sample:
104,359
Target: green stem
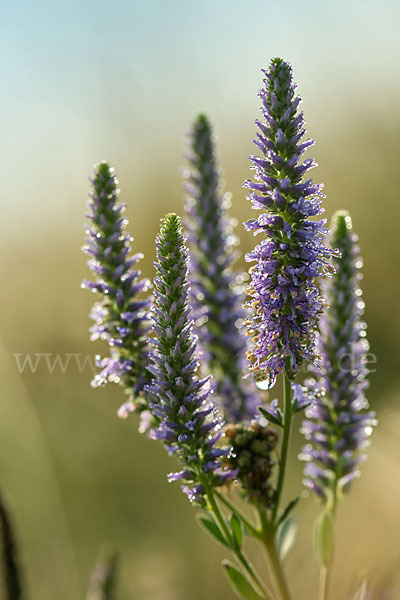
287,400
326,569
274,562
324,579
229,539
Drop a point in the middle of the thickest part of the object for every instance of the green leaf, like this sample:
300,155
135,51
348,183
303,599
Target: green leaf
324,538
239,583
288,510
286,536
237,530
276,420
296,408
212,528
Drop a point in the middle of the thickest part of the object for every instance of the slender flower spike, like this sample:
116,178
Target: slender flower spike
216,293
339,423
121,317
189,423
285,299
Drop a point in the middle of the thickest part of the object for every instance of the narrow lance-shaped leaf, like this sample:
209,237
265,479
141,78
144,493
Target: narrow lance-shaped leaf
286,536
288,510
237,529
240,584
212,529
324,538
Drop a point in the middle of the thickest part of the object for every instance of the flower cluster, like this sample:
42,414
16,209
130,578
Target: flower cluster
285,300
121,317
339,423
216,293
290,322
189,424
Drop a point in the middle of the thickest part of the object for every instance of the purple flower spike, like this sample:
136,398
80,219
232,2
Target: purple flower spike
339,423
121,317
189,423
285,300
216,291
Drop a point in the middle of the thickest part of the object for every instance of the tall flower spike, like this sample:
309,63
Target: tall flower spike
216,292
189,423
338,424
285,299
121,317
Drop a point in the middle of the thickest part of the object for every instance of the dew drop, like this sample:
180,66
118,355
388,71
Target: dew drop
266,383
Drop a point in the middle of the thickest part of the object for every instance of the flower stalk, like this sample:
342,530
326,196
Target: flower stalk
236,550
338,424
121,316
189,424
287,424
217,295
286,304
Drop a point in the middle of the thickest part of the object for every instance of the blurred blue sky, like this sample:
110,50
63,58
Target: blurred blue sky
82,81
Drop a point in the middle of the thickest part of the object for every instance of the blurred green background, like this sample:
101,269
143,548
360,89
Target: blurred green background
83,81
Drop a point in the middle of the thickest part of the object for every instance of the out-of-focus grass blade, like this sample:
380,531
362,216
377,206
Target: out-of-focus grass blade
362,592
103,579
9,555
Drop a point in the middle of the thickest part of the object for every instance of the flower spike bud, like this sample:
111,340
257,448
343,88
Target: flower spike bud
189,423
217,293
338,423
252,456
121,316
285,301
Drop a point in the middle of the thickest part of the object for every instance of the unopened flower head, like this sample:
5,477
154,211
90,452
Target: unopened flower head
339,423
252,456
216,291
121,316
189,423
285,300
